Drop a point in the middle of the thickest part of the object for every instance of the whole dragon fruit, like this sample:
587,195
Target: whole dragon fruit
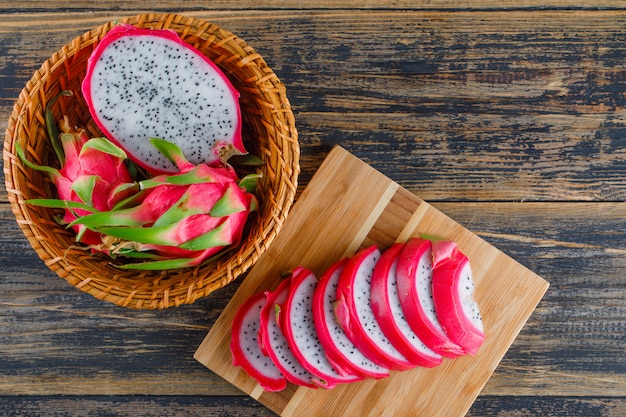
177,220
92,175
147,83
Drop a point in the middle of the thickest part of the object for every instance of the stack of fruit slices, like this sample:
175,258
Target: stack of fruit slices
366,316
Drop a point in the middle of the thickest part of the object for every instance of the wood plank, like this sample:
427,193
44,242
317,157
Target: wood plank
11,7
81,346
512,406
504,116
166,406
124,406
346,188
452,105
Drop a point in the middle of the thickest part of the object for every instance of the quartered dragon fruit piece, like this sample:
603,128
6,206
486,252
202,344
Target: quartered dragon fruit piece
245,348
341,352
414,281
149,83
299,330
453,294
354,311
274,344
389,314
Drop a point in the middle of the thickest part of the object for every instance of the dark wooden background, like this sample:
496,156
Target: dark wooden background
508,116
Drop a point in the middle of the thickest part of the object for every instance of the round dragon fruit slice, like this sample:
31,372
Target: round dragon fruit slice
273,343
299,329
414,277
340,350
354,311
388,311
149,83
453,294
245,348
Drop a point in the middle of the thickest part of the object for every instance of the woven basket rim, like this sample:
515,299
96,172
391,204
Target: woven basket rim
271,123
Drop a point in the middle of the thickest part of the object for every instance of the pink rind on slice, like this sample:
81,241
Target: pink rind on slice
388,311
414,283
341,352
273,341
453,292
354,312
299,329
245,349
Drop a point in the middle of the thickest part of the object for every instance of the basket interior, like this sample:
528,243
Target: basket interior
269,133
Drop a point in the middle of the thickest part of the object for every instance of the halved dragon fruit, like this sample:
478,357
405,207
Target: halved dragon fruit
273,342
453,294
245,348
414,281
388,311
345,357
299,329
148,83
354,311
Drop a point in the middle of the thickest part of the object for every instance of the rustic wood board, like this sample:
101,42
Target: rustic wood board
348,205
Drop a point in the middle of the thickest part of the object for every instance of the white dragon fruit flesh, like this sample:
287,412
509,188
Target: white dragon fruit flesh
453,293
369,314
245,348
149,83
354,311
274,344
299,329
340,350
388,311
414,281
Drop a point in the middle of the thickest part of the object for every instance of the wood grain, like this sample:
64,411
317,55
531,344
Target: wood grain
506,116
380,212
454,105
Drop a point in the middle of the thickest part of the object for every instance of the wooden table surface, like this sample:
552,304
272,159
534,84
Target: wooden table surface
508,116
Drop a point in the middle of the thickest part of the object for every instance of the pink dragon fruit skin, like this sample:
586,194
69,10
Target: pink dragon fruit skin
181,220
244,345
354,311
453,294
146,83
299,330
274,344
341,352
388,311
89,174
414,281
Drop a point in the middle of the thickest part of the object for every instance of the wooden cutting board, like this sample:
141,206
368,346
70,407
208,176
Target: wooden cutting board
348,205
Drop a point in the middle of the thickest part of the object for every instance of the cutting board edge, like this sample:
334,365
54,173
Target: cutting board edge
339,152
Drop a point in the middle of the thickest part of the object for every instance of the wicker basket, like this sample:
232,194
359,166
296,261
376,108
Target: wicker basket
269,132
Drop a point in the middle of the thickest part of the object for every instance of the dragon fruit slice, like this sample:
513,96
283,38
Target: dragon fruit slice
299,329
354,311
273,343
388,311
147,83
453,294
245,348
414,282
345,357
